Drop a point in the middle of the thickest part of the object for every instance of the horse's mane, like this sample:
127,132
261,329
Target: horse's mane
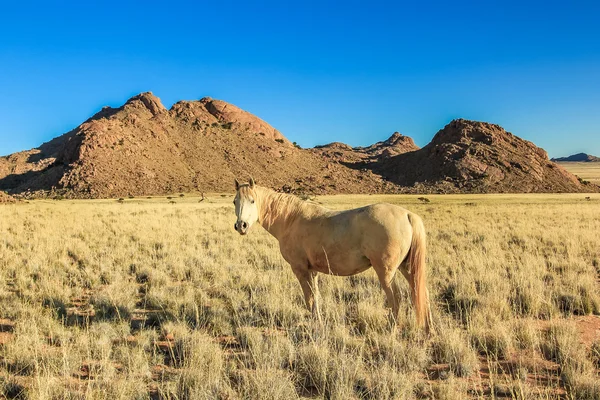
281,206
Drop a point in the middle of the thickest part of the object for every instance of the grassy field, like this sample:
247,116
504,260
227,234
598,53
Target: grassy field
589,171
161,299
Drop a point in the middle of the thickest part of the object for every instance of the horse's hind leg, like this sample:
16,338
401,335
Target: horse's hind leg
309,283
386,279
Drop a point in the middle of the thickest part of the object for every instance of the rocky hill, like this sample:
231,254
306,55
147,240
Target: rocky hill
477,157
579,157
341,152
142,148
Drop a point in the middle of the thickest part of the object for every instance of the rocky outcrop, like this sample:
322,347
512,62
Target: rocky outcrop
142,148
341,152
470,156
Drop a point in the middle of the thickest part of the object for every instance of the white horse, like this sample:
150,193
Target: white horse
314,239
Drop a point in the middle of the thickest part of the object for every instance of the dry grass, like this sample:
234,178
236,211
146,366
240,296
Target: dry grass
147,299
588,171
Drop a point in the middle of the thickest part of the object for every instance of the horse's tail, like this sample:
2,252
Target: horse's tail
418,274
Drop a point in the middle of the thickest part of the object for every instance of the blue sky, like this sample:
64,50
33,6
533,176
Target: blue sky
352,71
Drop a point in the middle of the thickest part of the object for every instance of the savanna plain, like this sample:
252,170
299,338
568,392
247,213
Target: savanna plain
159,298
588,171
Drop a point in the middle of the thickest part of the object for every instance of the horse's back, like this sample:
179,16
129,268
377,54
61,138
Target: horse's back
380,216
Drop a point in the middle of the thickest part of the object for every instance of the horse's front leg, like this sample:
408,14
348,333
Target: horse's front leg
309,283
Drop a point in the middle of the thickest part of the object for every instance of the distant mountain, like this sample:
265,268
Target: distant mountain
580,157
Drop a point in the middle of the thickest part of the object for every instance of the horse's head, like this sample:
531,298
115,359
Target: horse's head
246,208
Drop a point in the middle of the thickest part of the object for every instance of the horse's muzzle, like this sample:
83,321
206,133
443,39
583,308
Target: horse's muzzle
241,227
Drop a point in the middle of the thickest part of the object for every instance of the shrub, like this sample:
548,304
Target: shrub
451,348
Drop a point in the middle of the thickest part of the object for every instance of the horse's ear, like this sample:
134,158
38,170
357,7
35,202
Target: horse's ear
237,185
251,182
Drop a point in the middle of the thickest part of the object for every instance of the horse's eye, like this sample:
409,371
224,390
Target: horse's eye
252,201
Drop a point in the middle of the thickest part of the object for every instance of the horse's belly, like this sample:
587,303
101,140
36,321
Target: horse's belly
348,264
